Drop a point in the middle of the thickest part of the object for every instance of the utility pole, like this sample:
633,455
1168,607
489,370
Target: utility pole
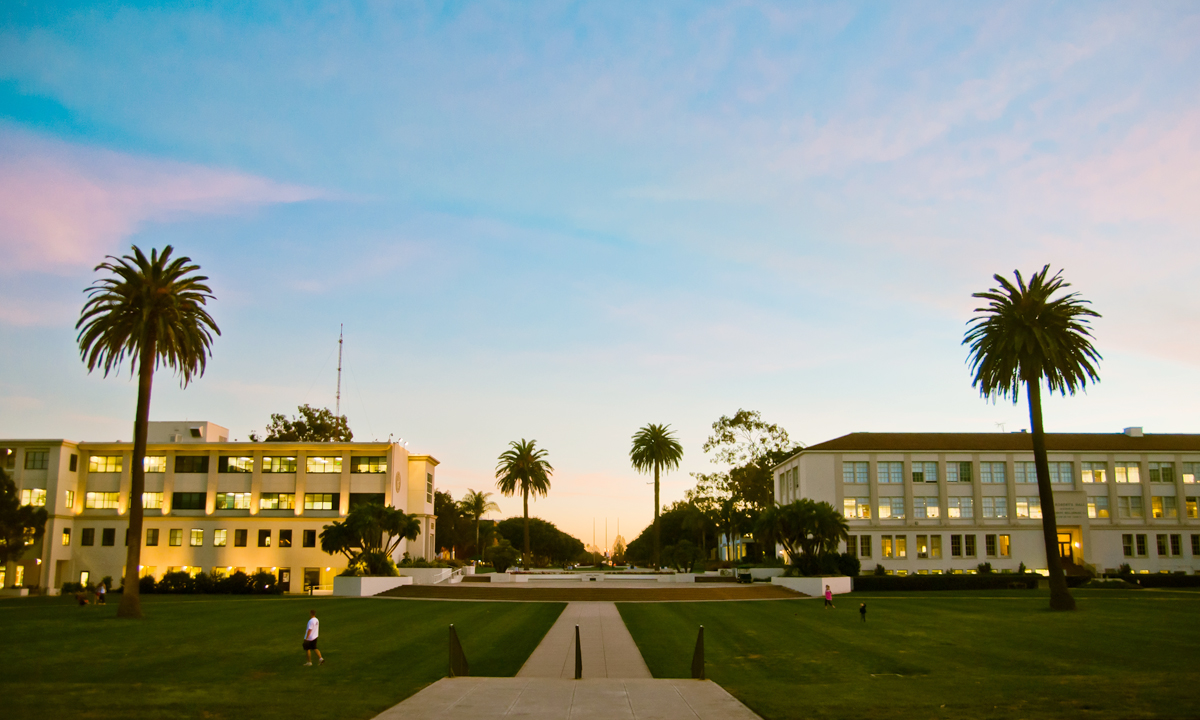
338,407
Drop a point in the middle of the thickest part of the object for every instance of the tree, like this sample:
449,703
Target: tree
20,525
655,449
547,544
447,516
744,438
311,425
152,309
369,536
1026,336
474,505
809,531
523,469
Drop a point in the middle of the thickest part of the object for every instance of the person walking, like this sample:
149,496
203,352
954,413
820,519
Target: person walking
101,590
828,597
862,610
311,631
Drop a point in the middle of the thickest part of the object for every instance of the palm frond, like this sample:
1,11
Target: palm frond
523,468
655,445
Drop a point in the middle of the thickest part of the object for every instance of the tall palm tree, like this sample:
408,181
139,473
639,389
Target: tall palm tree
151,309
475,504
655,449
523,468
1026,336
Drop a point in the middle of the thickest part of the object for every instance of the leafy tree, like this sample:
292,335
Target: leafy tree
448,515
655,449
152,309
20,525
1025,336
523,469
680,521
474,505
809,531
548,545
501,556
311,425
683,556
369,536
744,438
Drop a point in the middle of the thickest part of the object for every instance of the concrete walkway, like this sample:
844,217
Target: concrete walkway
557,699
608,648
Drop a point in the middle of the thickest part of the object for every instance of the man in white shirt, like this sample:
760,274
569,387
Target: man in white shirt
310,638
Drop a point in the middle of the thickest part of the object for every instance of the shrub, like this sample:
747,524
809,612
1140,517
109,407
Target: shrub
146,585
71,587
875,583
502,556
264,583
848,564
985,568
880,571
1125,569
177,583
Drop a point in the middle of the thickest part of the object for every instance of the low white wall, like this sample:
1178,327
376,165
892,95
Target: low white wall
426,576
678,578
366,586
508,578
815,586
765,573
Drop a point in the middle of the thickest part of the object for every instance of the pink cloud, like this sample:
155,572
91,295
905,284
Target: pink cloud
63,205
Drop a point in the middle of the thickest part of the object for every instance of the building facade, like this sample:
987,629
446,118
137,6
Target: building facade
210,505
929,503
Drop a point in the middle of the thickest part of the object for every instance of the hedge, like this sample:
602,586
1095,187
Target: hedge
1163,580
994,581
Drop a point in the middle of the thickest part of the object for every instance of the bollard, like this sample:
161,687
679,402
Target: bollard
578,656
698,657
458,659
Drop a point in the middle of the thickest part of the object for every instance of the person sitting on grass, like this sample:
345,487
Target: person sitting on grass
310,638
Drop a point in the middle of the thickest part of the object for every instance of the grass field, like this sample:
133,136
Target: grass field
985,654
230,657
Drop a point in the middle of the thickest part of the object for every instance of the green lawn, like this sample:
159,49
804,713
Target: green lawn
231,657
986,654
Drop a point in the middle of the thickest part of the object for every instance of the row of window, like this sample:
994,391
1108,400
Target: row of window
888,472
1167,544
220,537
224,500
925,508
929,546
239,464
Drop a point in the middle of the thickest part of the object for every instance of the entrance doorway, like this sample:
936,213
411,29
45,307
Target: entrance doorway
1065,551
312,578
285,579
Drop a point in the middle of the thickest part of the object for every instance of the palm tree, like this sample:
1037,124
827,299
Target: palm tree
523,468
151,309
655,449
1026,336
475,504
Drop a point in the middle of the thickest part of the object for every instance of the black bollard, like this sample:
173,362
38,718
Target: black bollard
458,659
578,656
698,657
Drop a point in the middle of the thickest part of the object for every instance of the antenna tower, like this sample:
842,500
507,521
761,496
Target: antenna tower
338,407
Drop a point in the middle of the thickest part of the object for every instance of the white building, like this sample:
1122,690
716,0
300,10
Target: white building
946,502
211,505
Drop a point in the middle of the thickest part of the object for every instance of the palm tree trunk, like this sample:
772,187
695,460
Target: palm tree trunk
525,559
477,550
131,599
657,530
1060,596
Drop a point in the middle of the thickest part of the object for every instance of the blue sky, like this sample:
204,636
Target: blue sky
563,221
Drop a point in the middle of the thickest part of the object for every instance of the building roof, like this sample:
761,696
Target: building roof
1006,442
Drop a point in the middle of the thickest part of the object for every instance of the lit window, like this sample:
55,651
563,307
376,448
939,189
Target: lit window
1190,470
856,508
8,458
1005,546
922,546
320,501
175,538
105,464
328,464
1097,507
279,464
197,537
995,507
1127,472
855,472
219,537
233,501
155,463
958,472
1164,507
1130,506
924,472
1191,507
901,546
33,496
235,464
891,508
369,464
152,500
37,459
885,542
992,472
151,537
70,499
960,507
429,487
890,472
101,500
1093,472
264,538
285,538
925,507
1029,507
935,547
66,536
277,501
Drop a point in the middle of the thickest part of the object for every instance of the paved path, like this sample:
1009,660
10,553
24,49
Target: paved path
607,647
557,699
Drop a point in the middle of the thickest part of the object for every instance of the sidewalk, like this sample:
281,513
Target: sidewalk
608,648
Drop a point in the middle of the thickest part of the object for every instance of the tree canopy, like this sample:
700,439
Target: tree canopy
369,536
310,425
523,469
20,525
809,532
549,545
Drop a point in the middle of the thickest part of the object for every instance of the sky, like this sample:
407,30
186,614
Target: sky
563,221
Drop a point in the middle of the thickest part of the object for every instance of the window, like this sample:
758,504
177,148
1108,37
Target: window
935,547
1164,507
428,487
187,501
1127,545
233,501
1024,472
264,538
310,538
969,545
151,537
1129,507
891,508
1060,472
989,545
285,538
70,499
1161,542
8,458
101,500
1030,507
235,464
885,542
1005,546
357,499
239,538
66,536
924,472
88,537
1190,504
1176,545
279,464
321,501
890,472
854,472
108,537
74,463
196,538
864,546
1162,472
1141,545
925,507
1195,545
923,546
1093,472
155,463
956,547
856,508
958,472
1190,470
37,459
960,507
369,464
901,546
992,472
219,537
152,500
1127,472
35,497
104,464
191,463
1097,507
328,464
277,501
175,537
995,507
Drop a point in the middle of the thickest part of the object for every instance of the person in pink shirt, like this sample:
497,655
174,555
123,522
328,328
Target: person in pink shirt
828,597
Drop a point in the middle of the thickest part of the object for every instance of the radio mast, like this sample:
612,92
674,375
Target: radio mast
338,407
